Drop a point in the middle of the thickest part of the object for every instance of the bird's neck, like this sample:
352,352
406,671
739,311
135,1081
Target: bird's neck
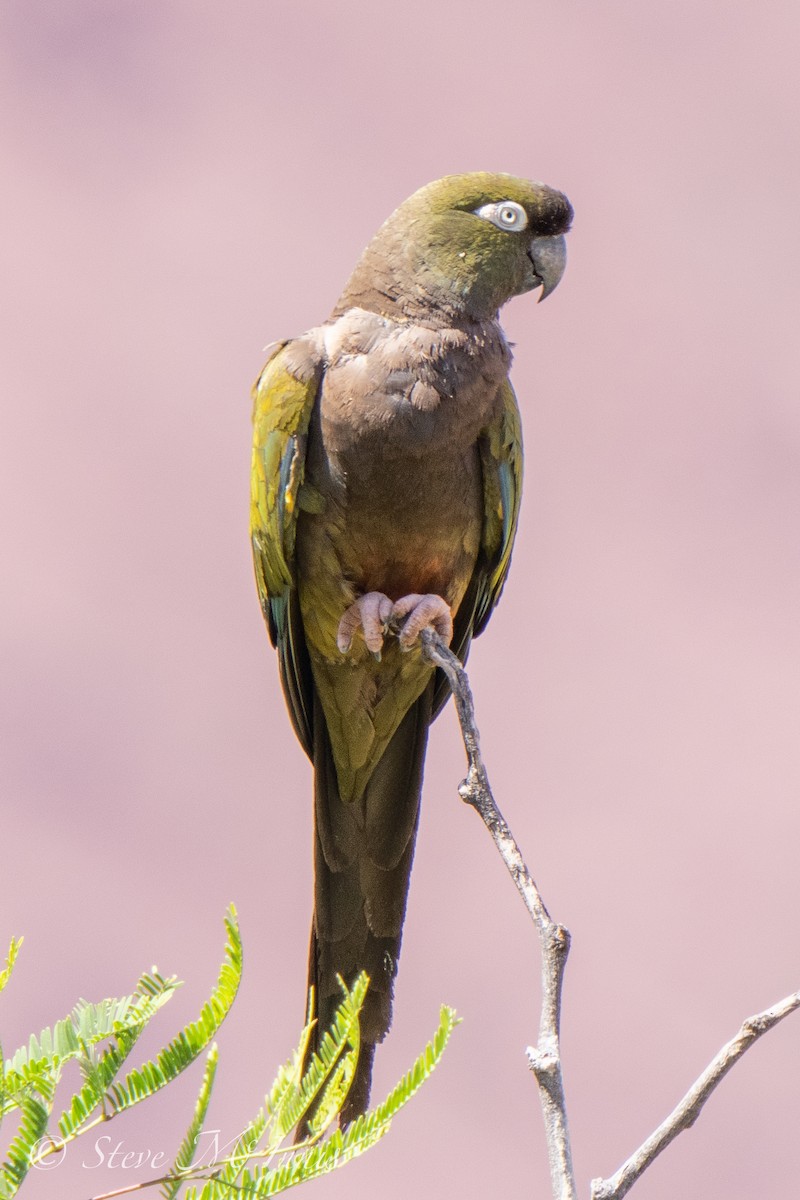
394,279
382,296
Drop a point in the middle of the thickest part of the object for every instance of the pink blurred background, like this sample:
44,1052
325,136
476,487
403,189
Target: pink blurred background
185,182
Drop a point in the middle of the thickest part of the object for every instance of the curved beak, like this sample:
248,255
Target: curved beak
549,258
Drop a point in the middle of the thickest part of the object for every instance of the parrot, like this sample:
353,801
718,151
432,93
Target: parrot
385,494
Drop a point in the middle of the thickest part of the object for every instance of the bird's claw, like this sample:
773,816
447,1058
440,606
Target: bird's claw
371,614
374,614
422,612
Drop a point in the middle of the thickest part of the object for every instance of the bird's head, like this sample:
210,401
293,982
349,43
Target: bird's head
461,247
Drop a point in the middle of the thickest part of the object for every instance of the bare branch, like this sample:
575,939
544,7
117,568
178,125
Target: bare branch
686,1113
545,1058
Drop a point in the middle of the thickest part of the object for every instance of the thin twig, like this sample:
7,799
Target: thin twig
137,1187
545,1058
686,1113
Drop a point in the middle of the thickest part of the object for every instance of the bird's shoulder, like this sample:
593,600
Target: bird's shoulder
359,333
283,400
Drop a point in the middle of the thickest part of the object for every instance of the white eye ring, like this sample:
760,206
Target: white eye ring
506,214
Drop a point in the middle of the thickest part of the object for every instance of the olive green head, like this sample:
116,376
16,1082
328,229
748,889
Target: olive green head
462,246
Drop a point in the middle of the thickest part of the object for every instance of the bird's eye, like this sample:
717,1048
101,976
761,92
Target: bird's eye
505,215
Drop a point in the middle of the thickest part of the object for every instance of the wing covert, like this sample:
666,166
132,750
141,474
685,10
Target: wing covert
501,460
283,399
500,449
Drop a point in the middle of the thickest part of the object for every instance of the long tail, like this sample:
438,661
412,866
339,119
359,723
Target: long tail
362,863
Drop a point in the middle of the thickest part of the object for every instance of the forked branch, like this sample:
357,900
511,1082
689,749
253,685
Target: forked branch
545,1058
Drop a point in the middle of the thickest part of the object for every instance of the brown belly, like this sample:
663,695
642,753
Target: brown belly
410,569
413,527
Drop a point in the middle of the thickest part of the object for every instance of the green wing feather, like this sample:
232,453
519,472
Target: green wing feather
282,406
501,459
501,462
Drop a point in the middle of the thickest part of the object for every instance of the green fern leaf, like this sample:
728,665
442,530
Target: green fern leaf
37,1066
5,975
293,1093
174,1058
324,1156
364,1132
285,1086
338,1047
13,951
34,1116
185,1156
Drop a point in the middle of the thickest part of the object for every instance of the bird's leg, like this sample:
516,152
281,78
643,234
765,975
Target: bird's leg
421,612
371,614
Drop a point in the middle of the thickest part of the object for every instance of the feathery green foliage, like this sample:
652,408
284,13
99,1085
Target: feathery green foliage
99,1037
5,975
34,1115
294,1092
38,1065
188,1147
101,1086
13,951
324,1156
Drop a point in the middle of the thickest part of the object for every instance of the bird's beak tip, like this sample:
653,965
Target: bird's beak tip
549,258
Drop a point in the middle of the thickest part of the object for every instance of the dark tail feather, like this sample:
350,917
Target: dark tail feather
363,853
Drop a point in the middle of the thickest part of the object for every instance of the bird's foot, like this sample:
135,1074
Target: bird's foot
374,614
422,612
371,614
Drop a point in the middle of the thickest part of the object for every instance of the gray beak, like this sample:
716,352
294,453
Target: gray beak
549,258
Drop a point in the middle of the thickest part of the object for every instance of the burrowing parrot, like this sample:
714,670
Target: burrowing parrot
387,468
